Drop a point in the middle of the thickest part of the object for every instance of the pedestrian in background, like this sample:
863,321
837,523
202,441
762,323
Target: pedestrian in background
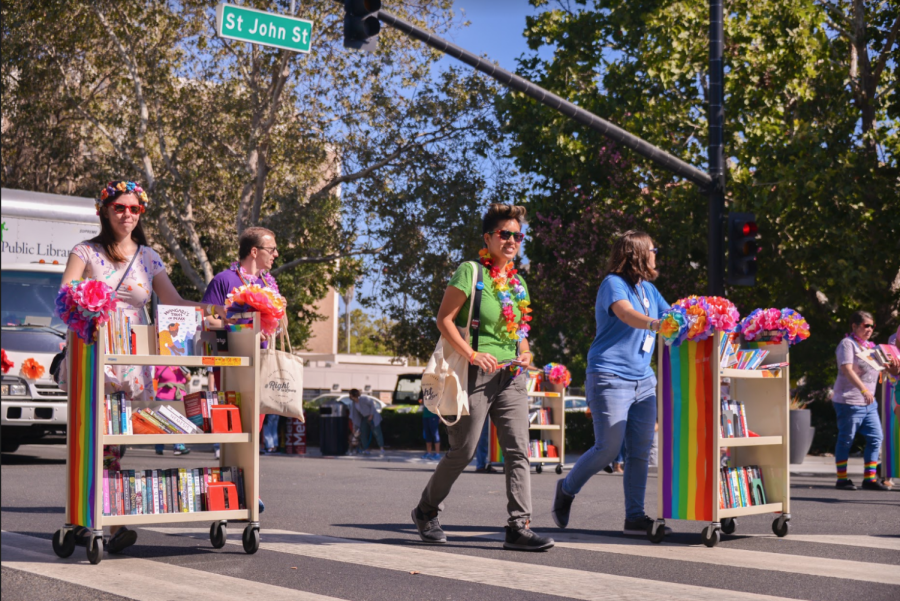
854,404
430,432
368,420
621,386
493,390
121,257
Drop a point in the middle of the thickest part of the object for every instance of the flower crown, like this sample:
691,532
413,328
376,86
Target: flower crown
115,189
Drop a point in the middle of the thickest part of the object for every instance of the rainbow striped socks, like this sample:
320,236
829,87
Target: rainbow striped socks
869,471
842,469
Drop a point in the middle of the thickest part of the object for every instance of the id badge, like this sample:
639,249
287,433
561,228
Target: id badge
648,344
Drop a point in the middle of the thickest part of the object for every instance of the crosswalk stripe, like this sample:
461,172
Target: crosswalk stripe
537,578
722,556
134,578
853,540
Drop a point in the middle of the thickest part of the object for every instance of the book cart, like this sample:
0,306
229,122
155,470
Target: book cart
555,432
86,436
890,422
691,443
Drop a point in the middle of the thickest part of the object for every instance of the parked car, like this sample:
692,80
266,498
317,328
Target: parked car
576,404
345,399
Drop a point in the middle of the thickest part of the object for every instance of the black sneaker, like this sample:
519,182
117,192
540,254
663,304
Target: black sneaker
608,469
641,527
845,484
82,535
873,485
488,469
429,527
562,505
526,540
121,540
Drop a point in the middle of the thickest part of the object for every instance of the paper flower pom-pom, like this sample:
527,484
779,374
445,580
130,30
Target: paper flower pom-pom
794,326
270,305
32,369
557,373
7,364
85,305
673,327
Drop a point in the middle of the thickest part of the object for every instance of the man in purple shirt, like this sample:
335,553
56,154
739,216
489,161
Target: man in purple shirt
257,251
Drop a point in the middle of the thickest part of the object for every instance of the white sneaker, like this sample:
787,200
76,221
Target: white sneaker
217,453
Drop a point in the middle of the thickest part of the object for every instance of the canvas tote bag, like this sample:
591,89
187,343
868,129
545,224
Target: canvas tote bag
281,378
445,383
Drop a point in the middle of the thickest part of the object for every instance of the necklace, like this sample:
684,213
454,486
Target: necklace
866,344
510,293
267,277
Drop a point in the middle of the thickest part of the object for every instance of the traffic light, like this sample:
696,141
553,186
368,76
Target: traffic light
742,249
361,24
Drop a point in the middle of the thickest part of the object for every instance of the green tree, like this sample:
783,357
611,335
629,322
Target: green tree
367,336
811,136
331,150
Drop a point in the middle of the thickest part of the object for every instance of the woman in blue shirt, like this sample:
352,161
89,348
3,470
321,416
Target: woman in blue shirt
621,386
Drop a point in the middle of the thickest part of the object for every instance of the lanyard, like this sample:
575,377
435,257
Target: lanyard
645,302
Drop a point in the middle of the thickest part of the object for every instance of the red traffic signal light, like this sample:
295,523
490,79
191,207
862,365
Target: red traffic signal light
743,249
749,228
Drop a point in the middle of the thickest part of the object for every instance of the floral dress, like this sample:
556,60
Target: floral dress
133,295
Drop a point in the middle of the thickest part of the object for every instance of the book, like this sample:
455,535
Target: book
179,420
196,409
105,492
195,473
179,330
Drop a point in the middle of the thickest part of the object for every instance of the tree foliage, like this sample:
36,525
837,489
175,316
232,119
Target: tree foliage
812,132
336,151
367,336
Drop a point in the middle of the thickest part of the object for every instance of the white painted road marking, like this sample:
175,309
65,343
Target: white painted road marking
564,582
139,579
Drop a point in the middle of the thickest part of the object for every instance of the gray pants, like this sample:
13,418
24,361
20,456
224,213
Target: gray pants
506,401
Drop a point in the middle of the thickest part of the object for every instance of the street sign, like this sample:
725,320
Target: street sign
259,27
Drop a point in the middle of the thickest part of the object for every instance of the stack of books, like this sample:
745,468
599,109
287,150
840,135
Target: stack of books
162,420
541,417
880,356
731,355
542,448
734,420
741,487
197,406
120,338
176,490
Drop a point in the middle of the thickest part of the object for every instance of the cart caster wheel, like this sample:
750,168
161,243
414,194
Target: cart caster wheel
729,525
539,468
657,531
95,550
559,469
781,526
251,539
64,542
218,534
710,536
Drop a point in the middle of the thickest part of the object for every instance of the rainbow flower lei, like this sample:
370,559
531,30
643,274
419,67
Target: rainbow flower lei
510,293
784,323
267,277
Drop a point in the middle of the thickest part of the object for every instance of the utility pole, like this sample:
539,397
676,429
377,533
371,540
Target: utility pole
716,150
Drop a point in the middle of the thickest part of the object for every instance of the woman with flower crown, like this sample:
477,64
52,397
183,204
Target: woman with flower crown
120,257
495,387
621,386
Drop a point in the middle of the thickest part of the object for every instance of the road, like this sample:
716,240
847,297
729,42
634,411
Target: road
340,529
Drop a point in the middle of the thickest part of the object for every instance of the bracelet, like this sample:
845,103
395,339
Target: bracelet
472,358
211,309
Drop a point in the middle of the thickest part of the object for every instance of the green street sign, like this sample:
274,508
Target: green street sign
259,27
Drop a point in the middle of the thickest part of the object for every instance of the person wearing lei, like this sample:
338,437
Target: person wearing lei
495,388
855,406
257,251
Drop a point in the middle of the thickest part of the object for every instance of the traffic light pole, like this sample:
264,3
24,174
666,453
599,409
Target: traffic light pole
613,132
716,150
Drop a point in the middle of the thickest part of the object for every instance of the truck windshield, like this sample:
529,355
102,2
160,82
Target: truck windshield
407,390
29,299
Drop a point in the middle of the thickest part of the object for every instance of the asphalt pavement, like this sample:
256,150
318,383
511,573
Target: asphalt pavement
339,528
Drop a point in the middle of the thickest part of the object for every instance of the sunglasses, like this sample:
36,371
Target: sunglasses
869,326
506,234
270,249
120,209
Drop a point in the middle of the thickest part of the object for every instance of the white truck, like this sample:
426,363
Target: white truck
38,231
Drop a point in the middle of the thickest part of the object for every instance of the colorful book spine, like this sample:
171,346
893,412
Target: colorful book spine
105,492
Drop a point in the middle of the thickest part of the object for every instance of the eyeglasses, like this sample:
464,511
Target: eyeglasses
506,234
271,249
120,209
869,326
655,251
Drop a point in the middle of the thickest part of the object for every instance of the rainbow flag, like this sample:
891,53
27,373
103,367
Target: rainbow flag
495,453
890,423
686,456
83,448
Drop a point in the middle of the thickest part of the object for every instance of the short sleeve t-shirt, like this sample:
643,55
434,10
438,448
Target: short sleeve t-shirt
492,334
617,347
222,285
844,390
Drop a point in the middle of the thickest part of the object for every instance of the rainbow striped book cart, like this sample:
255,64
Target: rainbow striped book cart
691,446
86,436
890,424
554,433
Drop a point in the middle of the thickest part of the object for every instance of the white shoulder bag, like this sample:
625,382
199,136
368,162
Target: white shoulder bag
446,378
281,378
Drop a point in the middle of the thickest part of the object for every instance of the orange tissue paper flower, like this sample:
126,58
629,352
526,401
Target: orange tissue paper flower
32,369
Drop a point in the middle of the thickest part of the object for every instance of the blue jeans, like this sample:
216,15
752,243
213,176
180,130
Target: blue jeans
857,419
481,451
270,431
622,410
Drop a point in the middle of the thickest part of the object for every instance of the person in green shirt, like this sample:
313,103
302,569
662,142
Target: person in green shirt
495,387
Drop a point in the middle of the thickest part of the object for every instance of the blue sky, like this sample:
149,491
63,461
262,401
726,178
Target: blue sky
495,30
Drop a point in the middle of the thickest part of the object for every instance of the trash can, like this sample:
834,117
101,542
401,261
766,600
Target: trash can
333,426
